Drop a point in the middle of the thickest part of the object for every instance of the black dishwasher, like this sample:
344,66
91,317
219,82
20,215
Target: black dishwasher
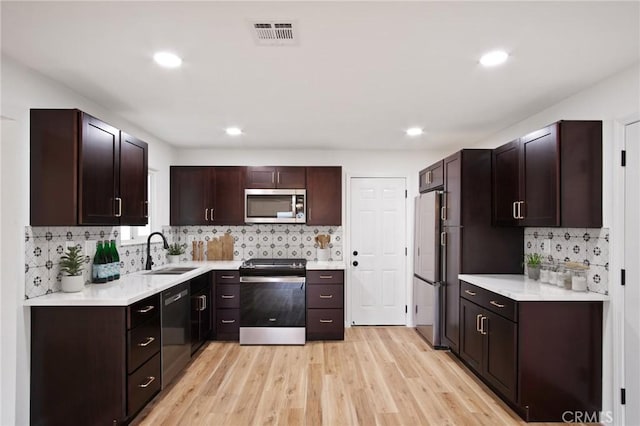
176,335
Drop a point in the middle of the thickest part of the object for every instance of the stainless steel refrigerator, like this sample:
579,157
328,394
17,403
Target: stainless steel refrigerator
428,260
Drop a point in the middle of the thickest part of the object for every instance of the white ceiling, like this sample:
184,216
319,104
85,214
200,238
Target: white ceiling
361,73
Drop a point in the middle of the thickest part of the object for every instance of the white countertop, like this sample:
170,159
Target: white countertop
133,287
522,289
320,265
129,288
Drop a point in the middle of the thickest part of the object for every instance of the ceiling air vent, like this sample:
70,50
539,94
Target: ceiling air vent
274,33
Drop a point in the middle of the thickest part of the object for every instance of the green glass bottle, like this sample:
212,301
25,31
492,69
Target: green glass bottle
108,263
99,268
115,258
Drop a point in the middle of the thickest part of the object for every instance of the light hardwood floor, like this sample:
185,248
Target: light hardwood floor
376,376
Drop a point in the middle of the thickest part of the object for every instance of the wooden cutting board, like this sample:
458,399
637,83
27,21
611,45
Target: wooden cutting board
227,247
214,249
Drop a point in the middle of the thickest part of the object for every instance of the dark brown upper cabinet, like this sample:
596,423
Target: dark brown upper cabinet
432,177
84,171
276,177
201,195
550,177
324,196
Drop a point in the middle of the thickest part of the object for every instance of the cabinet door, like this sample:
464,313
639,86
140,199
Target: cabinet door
228,208
451,293
506,183
539,173
99,172
431,177
471,338
500,353
133,181
452,190
324,196
261,177
190,195
291,178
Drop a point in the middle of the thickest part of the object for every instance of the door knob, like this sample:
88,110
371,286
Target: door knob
355,263
355,252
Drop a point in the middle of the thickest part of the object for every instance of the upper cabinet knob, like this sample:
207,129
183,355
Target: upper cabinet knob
355,252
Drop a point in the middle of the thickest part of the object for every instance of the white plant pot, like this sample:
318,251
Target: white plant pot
173,258
72,284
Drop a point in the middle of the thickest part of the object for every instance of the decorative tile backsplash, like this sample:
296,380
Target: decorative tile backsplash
589,246
268,240
45,245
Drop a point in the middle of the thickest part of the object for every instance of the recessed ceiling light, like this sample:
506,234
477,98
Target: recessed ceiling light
167,59
233,131
414,131
493,58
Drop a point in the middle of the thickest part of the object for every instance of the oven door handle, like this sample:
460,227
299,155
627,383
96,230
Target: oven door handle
278,279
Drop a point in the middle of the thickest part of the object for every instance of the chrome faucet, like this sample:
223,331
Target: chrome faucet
166,246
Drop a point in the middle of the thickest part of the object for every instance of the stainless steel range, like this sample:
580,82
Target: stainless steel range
273,302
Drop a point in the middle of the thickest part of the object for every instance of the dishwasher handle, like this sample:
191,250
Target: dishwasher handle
174,298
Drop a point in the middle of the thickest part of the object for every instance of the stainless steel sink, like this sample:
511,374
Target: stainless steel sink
171,270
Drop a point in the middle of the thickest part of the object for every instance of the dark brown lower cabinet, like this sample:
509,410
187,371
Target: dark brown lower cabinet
227,303
94,364
325,305
543,358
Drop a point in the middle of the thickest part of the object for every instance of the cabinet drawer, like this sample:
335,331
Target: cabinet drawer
227,296
325,324
227,324
325,296
143,385
143,310
325,277
494,302
227,277
142,343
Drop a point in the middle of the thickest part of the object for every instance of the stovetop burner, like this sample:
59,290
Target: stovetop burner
267,266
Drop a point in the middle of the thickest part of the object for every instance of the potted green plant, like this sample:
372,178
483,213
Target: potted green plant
71,266
534,261
174,252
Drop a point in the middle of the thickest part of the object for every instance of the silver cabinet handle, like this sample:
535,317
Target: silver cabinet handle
273,319
443,209
520,203
206,214
227,277
213,216
309,214
326,321
470,293
228,321
119,200
478,322
326,296
494,303
326,277
147,342
273,177
278,177
145,309
443,238
150,380
203,298
482,330
515,213
226,296
430,176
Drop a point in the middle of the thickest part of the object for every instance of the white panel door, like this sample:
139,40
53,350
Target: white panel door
632,287
378,236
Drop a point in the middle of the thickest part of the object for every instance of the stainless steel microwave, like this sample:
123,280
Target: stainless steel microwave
275,205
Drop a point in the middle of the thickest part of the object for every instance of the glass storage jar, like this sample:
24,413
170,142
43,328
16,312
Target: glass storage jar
544,272
579,279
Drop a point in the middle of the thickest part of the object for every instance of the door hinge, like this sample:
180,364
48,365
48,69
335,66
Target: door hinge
623,158
406,193
416,309
406,310
623,277
405,251
623,396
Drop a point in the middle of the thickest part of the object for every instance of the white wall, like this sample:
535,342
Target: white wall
613,100
23,89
